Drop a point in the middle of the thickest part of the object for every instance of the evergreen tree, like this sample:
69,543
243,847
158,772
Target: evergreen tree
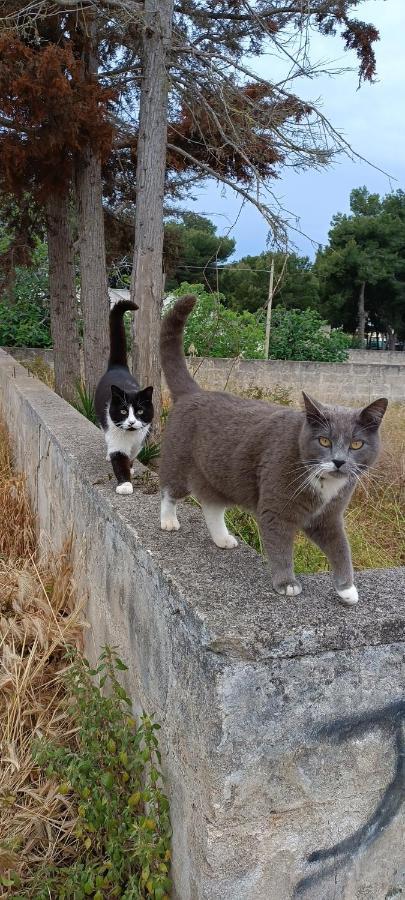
362,270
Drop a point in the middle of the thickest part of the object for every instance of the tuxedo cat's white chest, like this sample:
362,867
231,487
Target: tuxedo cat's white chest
128,442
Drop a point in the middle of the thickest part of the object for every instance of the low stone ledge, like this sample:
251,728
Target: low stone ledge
282,732
352,382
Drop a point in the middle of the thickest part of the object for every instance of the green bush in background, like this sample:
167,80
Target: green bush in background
25,322
214,330
297,334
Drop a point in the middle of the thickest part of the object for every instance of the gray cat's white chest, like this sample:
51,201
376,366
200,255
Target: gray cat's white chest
328,488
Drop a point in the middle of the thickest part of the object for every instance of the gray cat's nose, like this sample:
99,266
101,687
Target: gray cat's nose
339,462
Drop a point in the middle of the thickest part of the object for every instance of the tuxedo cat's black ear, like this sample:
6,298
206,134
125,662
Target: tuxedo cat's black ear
371,416
117,392
315,411
146,394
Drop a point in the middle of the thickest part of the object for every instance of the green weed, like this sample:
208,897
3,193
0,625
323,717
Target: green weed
149,452
84,403
110,777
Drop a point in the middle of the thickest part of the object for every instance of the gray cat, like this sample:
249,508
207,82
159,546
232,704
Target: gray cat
293,470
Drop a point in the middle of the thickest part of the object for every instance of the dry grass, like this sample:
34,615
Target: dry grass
41,370
39,617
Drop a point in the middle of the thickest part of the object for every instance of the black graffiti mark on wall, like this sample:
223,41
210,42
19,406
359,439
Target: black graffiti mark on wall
390,719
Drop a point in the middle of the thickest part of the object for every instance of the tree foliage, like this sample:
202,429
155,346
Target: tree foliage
300,334
72,82
192,249
214,330
366,247
246,282
50,111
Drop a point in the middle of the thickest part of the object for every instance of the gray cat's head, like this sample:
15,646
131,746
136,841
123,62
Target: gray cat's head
338,441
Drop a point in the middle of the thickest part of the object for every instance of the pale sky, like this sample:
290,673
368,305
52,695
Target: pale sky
372,119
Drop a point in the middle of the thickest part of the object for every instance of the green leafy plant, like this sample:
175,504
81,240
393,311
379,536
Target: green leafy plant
85,403
214,330
111,778
25,322
299,334
149,452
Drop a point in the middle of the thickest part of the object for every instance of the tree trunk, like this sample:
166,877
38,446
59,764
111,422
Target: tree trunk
392,339
63,300
147,272
93,282
361,313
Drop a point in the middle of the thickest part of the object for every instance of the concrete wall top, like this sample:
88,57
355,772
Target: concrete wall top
381,357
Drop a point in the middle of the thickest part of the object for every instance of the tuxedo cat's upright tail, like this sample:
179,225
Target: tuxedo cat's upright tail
118,341
178,378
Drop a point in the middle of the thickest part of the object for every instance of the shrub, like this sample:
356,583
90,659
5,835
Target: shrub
26,321
112,782
297,334
214,330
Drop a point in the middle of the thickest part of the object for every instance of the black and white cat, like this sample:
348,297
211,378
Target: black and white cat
124,411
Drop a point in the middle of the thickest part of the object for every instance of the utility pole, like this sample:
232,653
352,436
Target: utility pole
269,305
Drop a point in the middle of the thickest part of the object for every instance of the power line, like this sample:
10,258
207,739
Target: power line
233,268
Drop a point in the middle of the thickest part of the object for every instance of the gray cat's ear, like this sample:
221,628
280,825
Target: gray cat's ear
371,416
315,411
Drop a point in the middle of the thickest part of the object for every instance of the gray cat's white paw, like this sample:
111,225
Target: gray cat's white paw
290,589
348,596
124,488
170,523
227,542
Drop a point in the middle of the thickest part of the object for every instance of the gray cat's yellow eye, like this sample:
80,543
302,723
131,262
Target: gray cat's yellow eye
325,442
355,445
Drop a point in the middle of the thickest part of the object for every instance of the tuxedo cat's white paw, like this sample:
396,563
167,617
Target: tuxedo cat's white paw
227,542
124,488
349,596
169,523
132,470
289,589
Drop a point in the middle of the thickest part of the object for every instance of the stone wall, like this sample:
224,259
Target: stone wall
381,357
282,719
345,383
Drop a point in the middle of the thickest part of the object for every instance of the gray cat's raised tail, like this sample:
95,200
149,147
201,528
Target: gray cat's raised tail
178,378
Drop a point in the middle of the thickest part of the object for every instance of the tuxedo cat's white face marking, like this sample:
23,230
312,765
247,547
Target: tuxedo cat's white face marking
124,440
131,423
